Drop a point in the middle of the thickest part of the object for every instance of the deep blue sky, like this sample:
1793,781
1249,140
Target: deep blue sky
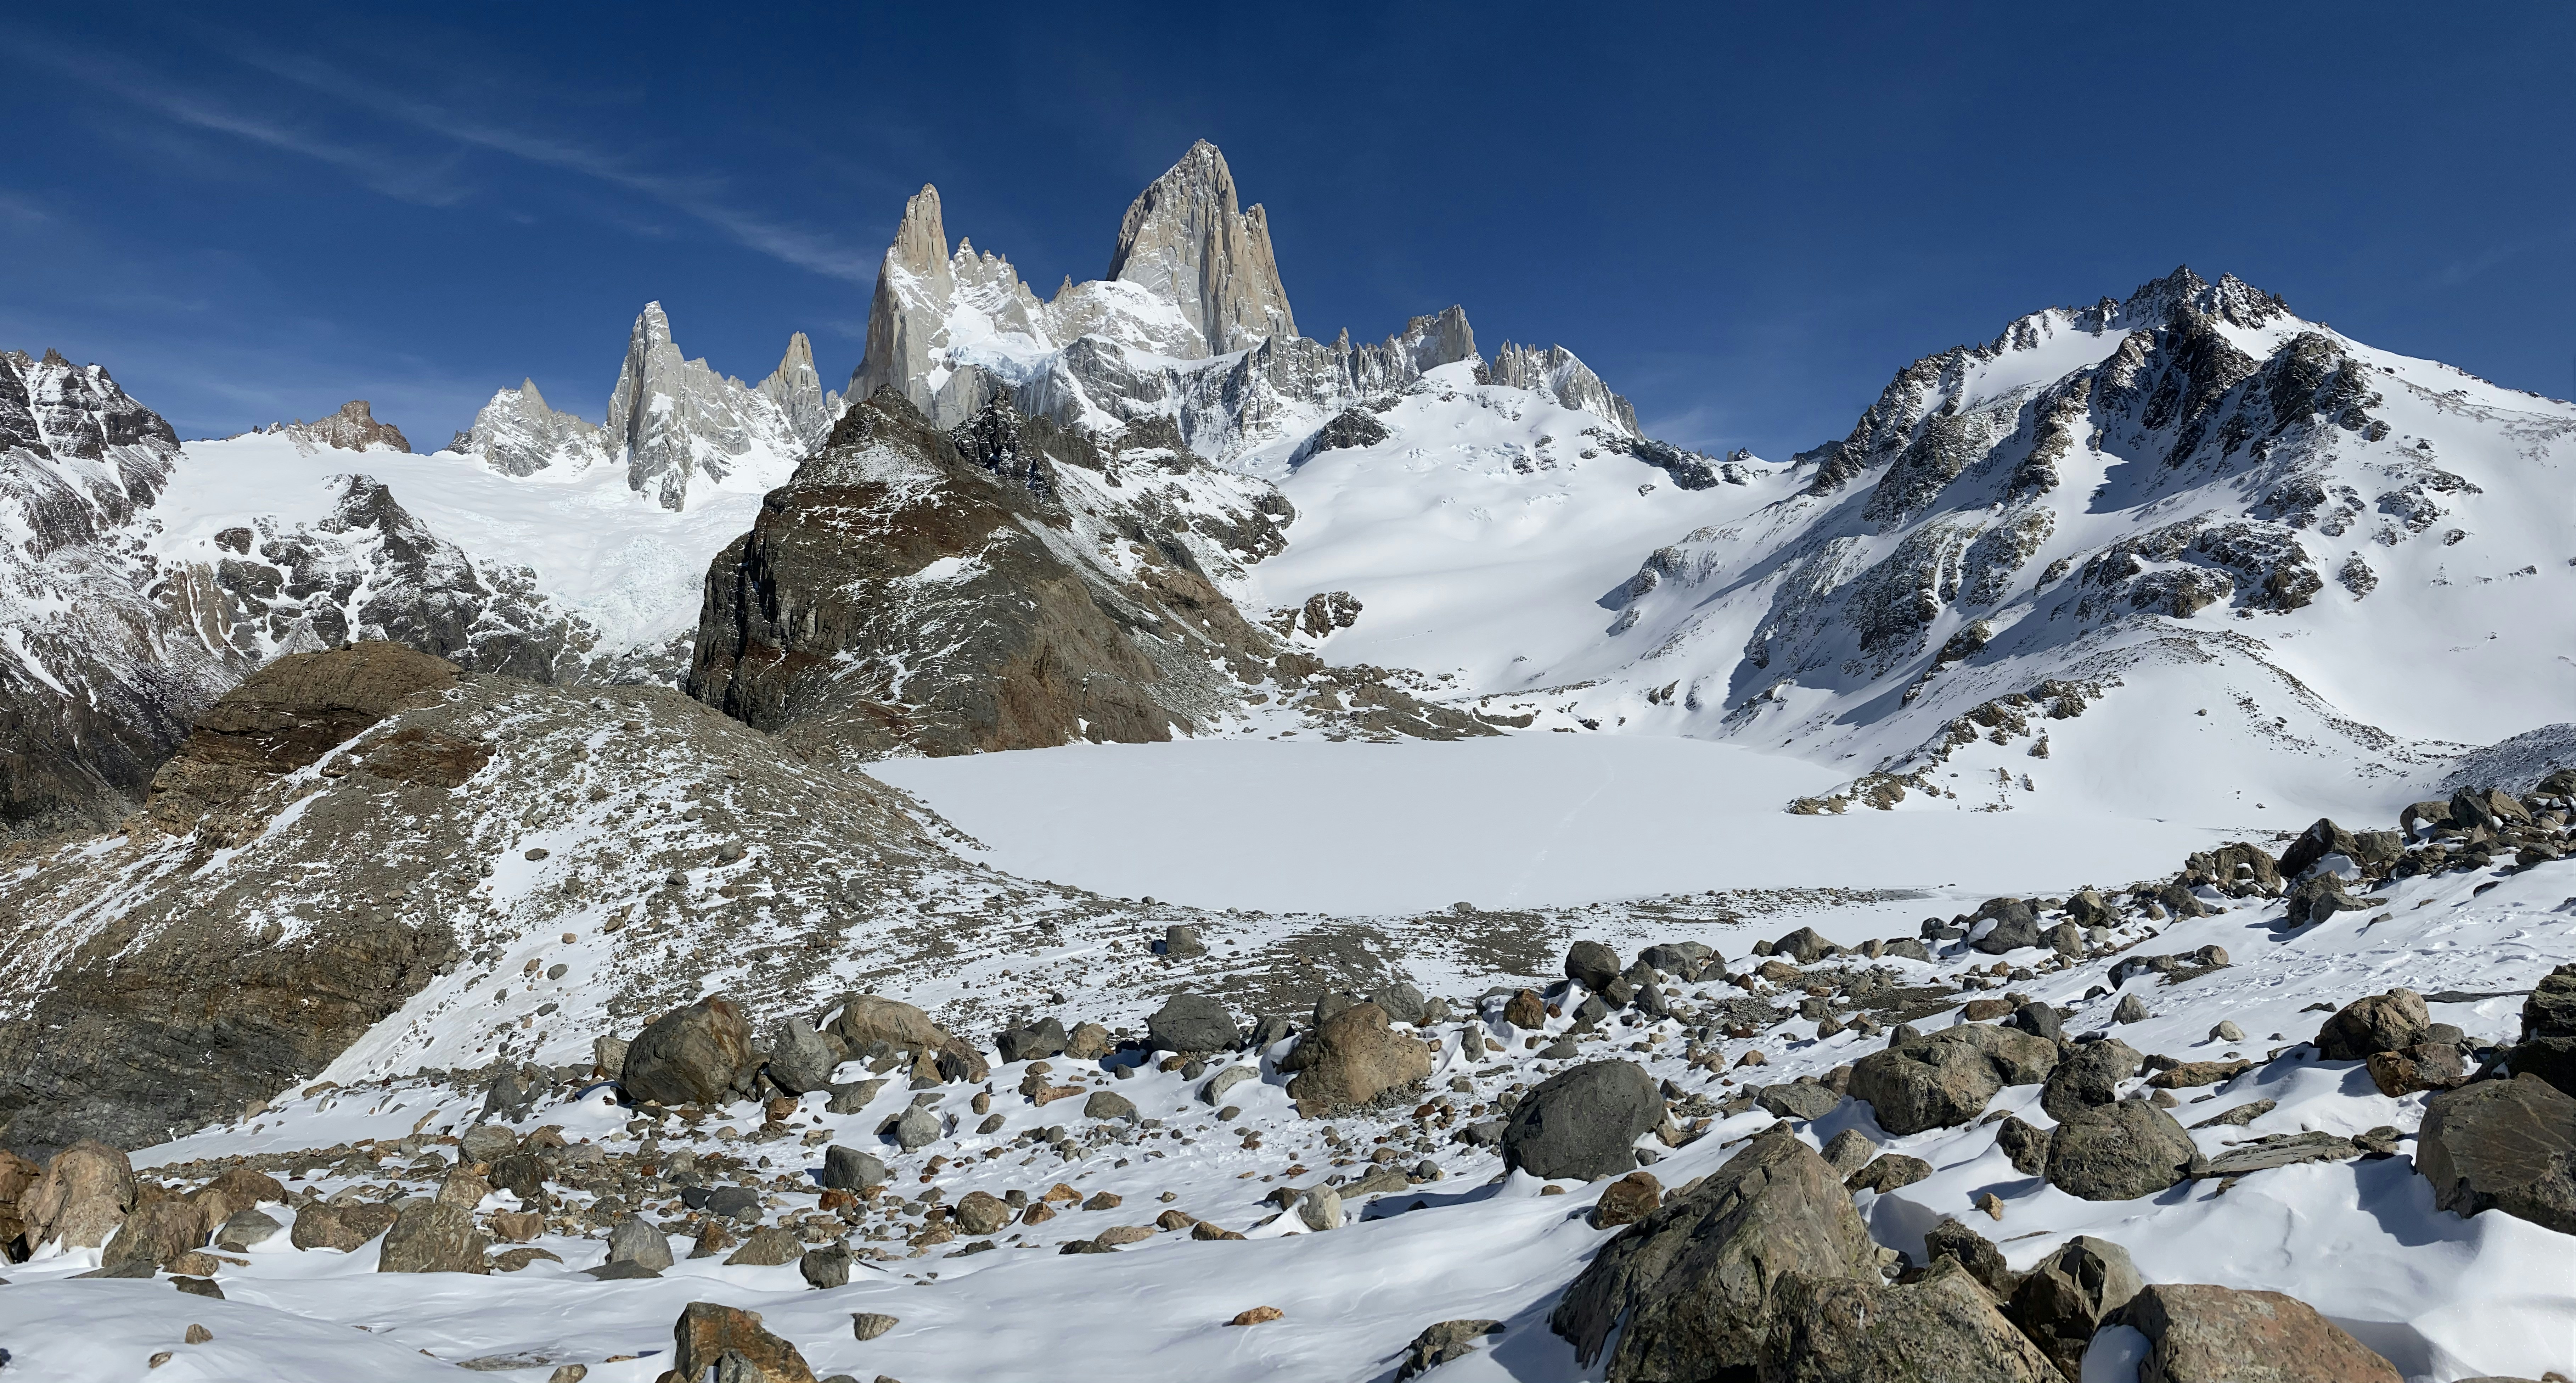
1745,217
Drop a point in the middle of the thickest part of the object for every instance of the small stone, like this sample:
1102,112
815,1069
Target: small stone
1992,1204
2227,1032
198,1286
198,1335
868,1325
1257,1315
1320,1208
1629,1199
2130,1009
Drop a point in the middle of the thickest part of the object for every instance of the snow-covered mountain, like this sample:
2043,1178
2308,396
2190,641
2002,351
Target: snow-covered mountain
2183,552
1191,324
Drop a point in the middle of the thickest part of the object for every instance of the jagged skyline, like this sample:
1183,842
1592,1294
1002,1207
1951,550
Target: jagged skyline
245,230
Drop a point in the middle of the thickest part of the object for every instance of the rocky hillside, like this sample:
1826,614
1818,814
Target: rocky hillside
1010,584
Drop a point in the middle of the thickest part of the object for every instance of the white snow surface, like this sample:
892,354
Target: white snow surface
2445,1298
634,569
1354,827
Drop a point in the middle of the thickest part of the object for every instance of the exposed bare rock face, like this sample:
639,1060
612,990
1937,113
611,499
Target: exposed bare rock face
995,587
1184,241
354,428
519,434
283,717
674,419
97,686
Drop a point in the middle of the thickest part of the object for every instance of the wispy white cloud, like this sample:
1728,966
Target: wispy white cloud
700,197
426,184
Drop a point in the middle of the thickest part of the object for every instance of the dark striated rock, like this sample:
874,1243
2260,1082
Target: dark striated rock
1032,1042
1192,1023
731,1343
1591,965
800,1059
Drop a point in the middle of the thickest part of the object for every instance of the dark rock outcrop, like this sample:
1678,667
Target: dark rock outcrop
1583,1122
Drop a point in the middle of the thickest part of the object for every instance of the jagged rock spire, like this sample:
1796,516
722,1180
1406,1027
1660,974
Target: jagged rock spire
915,273
1184,241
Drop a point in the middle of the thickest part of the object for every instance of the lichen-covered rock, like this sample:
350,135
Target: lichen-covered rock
2506,1145
2380,1023
436,1237
1943,1079
2118,1152
868,1019
2064,1299
801,1059
699,1054
2204,1334
1689,1289
1938,1329
80,1198
1353,1058
707,1335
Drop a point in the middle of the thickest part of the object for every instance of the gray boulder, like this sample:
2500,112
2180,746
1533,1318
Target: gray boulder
693,1055
2318,897
486,1143
1953,1242
1584,1123
245,1228
915,1128
1689,1289
1591,965
2118,1152
1213,1093
826,1267
641,1242
1683,960
2387,1022
2064,1300
1182,942
2506,1145
849,1169
801,1059
2088,1076
1805,946
1402,1001
1800,1099
2016,926
1109,1104
2024,1144
1192,1023
1032,1041
1939,1327
1441,1343
1943,1079
433,1237
2548,1046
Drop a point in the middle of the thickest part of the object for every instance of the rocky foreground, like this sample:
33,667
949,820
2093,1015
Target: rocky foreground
2039,1139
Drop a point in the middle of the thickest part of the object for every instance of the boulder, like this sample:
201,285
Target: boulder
1887,1172
801,1059
2203,1334
80,1198
236,1190
2064,1299
2118,1152
155,1232
2089,1075
2314,844
1319,1208
434,1237
825,1268
1683,960
2016,925
1525,1010
1591,965
343,1227
731,1342
2039,1020
2066,939
980,1213
2380,1023
2424,1066
2318,897
1693,1284
1109,1104
1939,1327
2237,869
1440,1344
1192,1023
918,1128
1629,1199
1801,1099
1954,1242
1402,1001
868,1019
1849,1151
2548,1046
848,1169
1032,1041
641,1242
2506,1145
1352,1059
769,1246
1804,946
1943,1079
2090,909
1213,1093
692,1055
1087,1042
484,1142
2025,1145
1584,1123
246,1228
1182,942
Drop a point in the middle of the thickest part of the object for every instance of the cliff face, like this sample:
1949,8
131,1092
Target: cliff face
1184,241
678,424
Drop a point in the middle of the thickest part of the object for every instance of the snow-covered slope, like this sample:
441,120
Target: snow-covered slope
2183,553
